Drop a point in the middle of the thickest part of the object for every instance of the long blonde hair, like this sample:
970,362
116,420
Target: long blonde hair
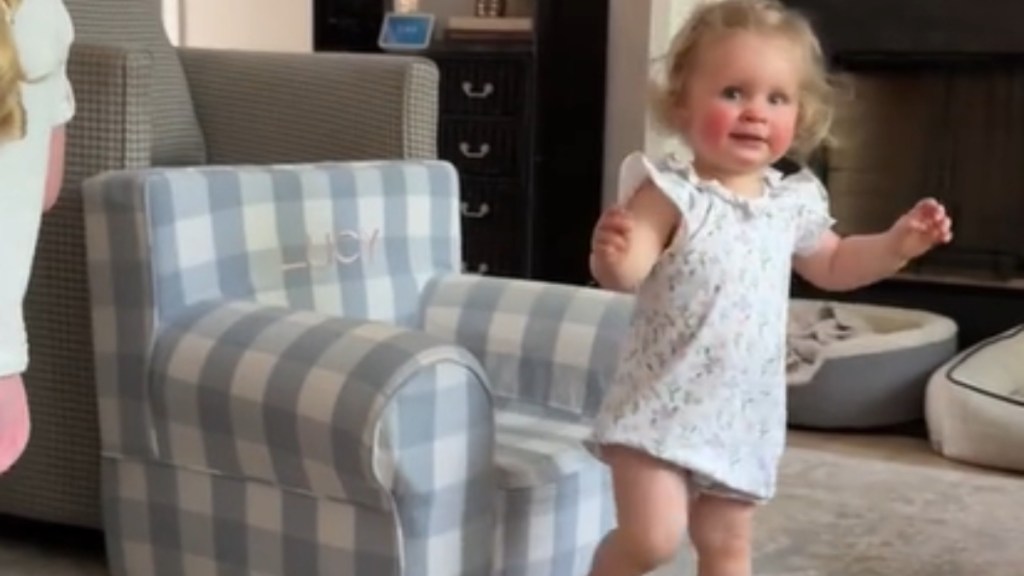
717,17
12,112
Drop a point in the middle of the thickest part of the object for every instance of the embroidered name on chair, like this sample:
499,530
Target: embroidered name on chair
341,247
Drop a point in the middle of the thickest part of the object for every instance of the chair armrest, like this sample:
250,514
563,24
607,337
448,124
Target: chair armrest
547,346
258,107
341,408
111,128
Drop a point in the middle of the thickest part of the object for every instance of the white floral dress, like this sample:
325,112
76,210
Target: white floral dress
701,381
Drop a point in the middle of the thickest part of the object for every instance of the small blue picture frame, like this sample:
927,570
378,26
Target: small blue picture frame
406,31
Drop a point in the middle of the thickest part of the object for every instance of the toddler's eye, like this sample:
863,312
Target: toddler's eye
778,99
732,93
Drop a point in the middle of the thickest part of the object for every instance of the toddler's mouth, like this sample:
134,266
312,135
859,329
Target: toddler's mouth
748,138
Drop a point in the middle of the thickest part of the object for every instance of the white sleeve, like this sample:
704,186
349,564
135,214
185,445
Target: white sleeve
673,183
64,96
813,216
63,93
43,31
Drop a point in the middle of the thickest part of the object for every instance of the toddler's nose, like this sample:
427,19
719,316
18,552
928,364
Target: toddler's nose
754,112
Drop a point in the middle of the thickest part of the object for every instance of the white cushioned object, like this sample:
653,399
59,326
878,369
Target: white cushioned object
975,404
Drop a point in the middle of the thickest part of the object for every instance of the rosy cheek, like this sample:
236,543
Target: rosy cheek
715,123
782,131
781,139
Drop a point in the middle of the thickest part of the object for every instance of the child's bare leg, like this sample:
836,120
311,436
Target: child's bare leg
650,501
721,530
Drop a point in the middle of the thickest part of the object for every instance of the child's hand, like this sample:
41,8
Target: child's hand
612,235
920,229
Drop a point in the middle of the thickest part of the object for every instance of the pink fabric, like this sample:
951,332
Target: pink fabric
55,170
14,421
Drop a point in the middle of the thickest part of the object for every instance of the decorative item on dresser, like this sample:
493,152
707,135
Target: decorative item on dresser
522,119
490,8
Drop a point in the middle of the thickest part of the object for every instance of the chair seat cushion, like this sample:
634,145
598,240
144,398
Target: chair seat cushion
555,499
534,450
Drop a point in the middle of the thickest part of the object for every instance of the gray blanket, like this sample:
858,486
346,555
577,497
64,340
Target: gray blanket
811,329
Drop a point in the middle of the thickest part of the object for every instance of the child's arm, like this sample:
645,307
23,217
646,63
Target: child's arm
848,263
55,169
629,239
852,262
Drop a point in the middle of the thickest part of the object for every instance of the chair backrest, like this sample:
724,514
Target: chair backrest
358,240
177,137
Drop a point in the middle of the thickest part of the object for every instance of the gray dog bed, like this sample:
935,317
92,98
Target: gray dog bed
862,366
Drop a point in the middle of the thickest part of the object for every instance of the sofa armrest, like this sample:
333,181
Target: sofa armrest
341,408
111,128
274,107
547,346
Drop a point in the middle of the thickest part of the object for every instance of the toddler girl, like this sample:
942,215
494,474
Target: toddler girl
694,421
35,102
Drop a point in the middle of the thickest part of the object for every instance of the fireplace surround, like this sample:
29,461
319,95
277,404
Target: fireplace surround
932,104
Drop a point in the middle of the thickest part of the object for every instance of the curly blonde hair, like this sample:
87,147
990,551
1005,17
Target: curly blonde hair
716,18
12,113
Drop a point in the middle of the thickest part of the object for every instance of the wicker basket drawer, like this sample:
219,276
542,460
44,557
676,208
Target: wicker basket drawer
483,87
493,226
481,147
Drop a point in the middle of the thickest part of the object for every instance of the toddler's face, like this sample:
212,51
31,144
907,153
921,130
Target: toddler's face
741,108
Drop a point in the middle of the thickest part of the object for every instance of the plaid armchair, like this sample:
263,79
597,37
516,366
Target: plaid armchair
142,102
295,378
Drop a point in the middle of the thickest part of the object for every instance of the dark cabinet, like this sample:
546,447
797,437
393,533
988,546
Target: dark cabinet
486,130
523,123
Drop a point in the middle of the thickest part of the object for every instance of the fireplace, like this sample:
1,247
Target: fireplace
954,132
932,104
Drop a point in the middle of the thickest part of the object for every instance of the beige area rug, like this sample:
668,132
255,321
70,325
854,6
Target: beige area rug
868,506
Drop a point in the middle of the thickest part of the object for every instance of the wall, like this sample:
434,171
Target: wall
273,25
171,24
640,33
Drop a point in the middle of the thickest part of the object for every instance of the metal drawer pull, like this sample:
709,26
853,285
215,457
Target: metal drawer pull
487,90
480,269
482,152
484,210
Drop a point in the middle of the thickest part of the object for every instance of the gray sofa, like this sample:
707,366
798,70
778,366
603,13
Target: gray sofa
143,102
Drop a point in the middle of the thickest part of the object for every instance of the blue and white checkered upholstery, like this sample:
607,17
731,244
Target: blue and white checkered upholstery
550,346
549,351
294,378
359,242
